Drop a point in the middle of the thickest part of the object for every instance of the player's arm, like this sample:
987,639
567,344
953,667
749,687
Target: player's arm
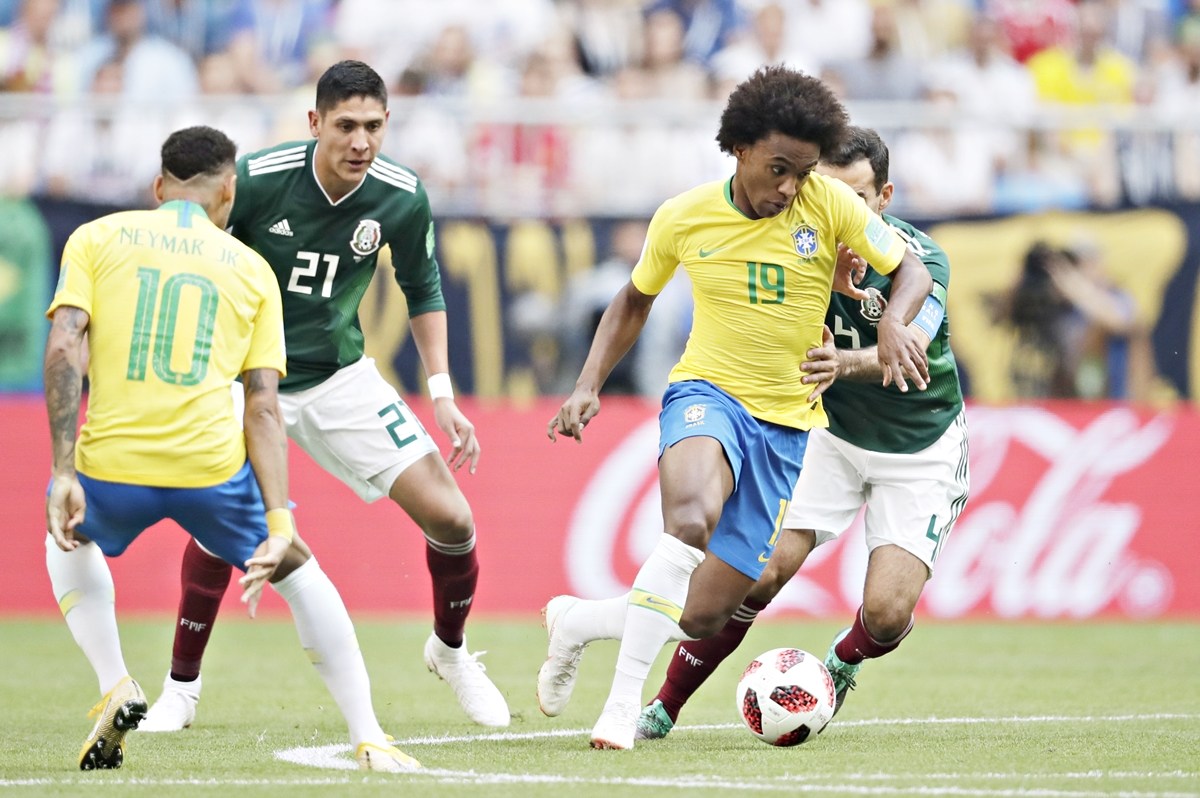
62,374
900,351
266,445
619,328
429,334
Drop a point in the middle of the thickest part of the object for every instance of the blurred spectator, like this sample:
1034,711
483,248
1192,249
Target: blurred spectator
1072,327
220,105
1032,25
886,73
154,72
20,141
829,30
430,141
1136,26
1177,98
931,28
28,60
200,27
453,68
708,25
107,151
990,83
608,33
766,43
1088,70
670,73
1039,176
288,37
945,167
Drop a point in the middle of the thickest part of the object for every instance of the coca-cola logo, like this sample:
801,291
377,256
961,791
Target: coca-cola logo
1040,537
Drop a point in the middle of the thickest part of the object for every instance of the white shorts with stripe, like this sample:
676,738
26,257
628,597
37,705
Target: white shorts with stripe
912,500
356,427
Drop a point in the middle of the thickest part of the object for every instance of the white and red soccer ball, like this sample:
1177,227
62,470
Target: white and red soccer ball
785,696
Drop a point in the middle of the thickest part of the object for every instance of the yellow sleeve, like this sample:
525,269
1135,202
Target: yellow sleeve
863,231
659,257
267,349
76,276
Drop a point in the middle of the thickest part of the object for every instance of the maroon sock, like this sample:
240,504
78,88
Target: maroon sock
454,579
859,645
204,579
695,660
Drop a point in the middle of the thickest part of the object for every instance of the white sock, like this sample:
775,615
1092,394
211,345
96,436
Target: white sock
83,587
663,579
327,635
596,619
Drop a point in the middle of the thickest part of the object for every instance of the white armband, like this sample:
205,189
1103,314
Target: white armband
439,386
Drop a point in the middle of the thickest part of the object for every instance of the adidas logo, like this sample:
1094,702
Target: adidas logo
280,228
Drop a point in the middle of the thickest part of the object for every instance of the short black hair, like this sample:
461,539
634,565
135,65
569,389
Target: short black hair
776,99
199,150
857,144
347,79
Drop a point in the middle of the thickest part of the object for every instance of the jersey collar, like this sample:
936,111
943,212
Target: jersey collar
186,210
321,188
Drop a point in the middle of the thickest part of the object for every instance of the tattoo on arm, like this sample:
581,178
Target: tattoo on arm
63,377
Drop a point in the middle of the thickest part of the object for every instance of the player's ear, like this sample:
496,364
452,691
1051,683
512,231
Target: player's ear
314,123
885,195
158,189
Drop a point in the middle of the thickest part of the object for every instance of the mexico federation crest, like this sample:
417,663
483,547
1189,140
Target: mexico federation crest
805,238
694,414
873,306
367,237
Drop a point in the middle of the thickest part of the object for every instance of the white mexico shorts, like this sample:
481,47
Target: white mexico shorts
912,500
356,427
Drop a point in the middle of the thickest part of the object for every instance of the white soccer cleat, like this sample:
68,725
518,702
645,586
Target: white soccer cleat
384,759
175,709
617,726
556,677
480,699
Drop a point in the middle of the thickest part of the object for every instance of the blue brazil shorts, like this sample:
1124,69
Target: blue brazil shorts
228,519
765,459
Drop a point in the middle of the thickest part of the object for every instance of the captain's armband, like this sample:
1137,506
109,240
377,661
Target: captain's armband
929,317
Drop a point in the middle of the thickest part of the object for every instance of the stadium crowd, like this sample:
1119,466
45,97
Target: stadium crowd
604,107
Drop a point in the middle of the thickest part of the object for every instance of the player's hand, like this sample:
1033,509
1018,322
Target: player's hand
65,510
461,432
575,413
850,270
901,352
822,365
260,568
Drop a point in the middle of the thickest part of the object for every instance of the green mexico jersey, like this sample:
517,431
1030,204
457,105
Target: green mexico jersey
881,419
324,253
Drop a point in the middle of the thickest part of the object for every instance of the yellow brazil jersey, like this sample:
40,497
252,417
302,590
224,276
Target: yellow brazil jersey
178,309
760,287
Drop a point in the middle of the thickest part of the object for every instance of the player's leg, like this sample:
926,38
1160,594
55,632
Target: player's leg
427,492
83,587
695,660
914,502
203,579
229,520
358,429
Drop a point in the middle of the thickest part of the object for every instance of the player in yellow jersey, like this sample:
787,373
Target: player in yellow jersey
761,252
174,309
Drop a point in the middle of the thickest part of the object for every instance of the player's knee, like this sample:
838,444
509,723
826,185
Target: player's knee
691,529
453,524
887,617
702,624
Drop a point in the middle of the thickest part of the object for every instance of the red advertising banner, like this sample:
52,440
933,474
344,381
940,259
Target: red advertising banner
1076,511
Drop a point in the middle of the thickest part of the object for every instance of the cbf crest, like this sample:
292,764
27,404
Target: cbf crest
873,306
805,239
367,237
694,414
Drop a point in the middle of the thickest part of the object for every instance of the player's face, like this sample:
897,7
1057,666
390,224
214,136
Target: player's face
350,135
860,177
771,172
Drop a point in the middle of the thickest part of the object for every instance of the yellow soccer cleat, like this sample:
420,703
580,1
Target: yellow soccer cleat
384,759
118,713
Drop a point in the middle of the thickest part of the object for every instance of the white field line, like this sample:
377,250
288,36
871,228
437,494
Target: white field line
337,757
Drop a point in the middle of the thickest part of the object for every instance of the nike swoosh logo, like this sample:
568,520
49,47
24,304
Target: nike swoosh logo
654,601
704,253
761,558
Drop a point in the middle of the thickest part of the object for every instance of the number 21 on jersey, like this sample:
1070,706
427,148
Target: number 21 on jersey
305,274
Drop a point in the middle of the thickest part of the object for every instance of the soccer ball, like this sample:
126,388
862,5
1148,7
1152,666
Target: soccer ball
785,696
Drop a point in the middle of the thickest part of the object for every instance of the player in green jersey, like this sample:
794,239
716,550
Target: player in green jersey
319,211
903,455
761,252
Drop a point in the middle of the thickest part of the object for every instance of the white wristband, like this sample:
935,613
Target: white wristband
440,387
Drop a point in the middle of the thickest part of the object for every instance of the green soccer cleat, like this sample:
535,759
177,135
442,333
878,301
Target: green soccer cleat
654,723
843,673
117,713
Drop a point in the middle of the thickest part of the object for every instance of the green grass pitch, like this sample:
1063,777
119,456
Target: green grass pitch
961,709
